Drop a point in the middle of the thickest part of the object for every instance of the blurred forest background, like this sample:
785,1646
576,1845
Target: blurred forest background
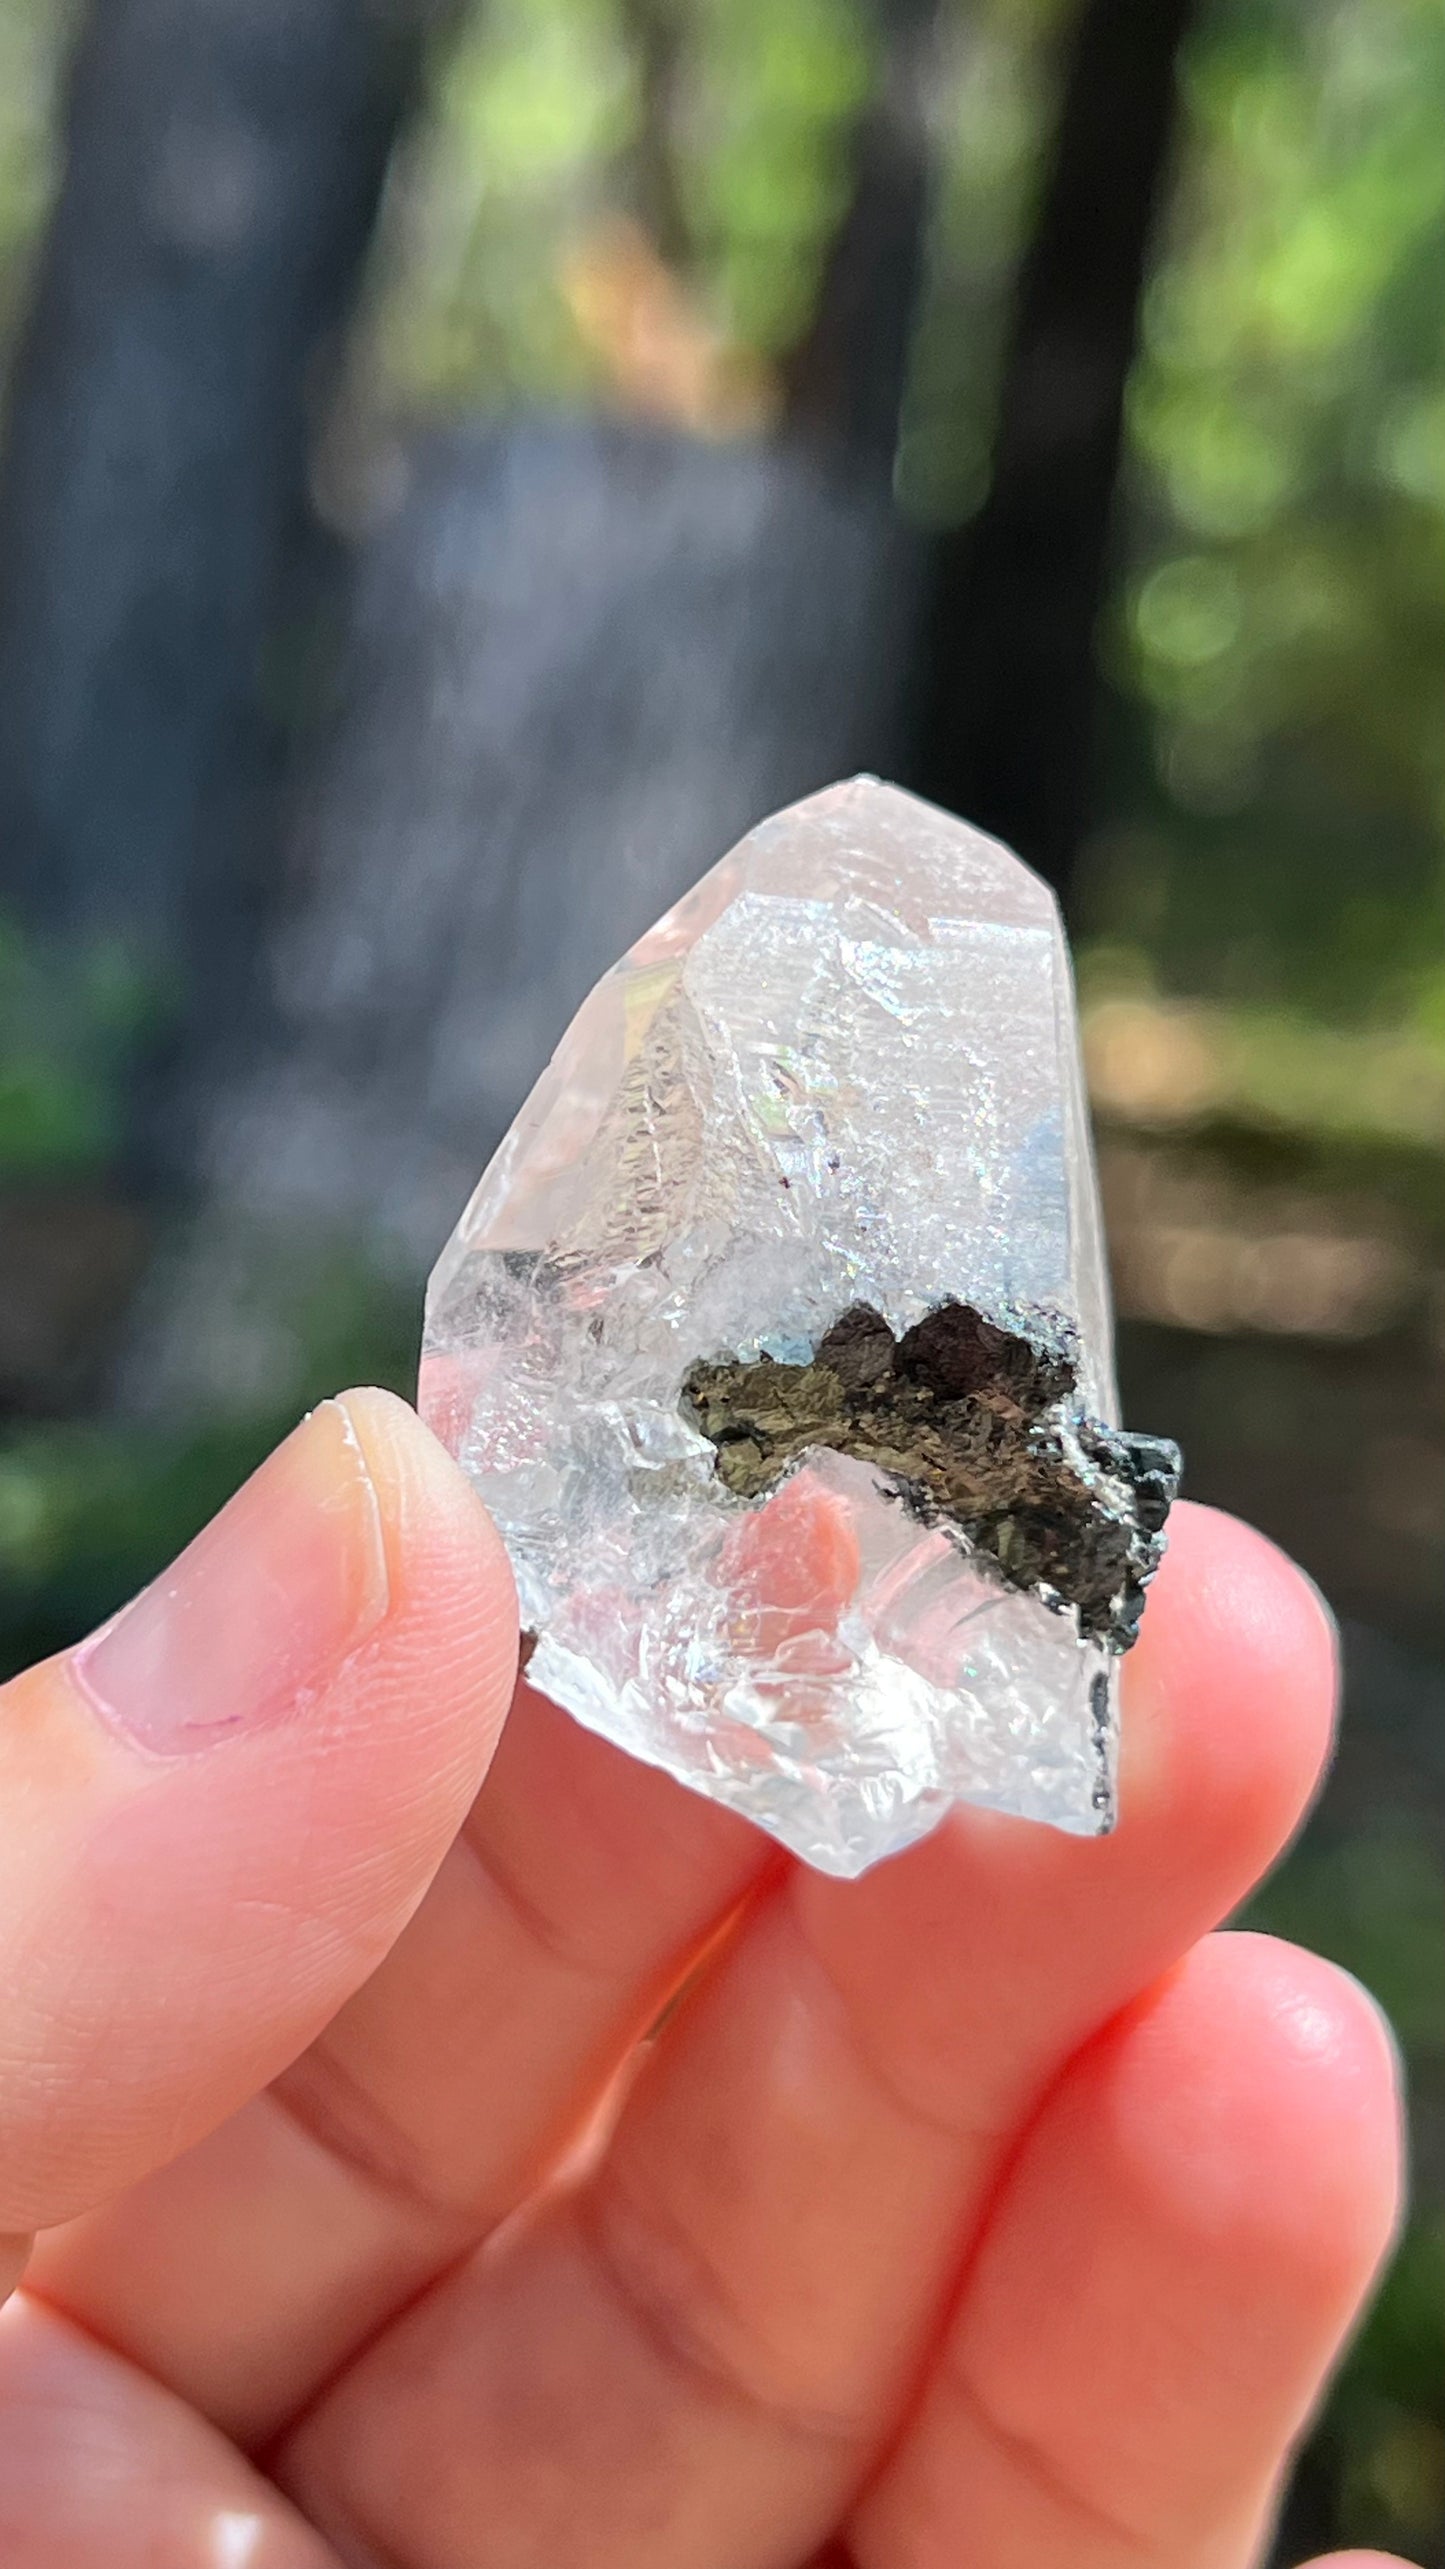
467,459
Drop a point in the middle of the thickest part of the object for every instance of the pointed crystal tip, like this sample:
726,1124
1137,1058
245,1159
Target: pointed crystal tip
777,1339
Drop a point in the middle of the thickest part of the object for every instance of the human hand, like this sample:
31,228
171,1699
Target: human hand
989,2213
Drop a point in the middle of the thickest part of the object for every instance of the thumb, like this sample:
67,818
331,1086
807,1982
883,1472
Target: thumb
223,1807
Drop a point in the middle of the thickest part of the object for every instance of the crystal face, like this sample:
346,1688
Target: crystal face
777,1339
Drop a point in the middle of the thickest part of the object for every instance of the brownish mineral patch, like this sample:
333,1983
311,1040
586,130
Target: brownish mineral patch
975,1427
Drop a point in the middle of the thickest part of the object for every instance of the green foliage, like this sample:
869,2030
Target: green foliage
763,162
539,113
1281,619
529,103
34,41
1276,779
69,1028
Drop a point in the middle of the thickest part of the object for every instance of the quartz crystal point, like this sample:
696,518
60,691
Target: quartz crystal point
777,1339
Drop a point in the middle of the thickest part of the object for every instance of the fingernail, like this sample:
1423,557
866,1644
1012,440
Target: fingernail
259,1611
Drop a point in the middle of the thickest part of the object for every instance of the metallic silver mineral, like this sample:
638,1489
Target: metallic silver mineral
842,1077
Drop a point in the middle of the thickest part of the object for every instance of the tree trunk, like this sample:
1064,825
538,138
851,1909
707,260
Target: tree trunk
225,159
844,383
1011,686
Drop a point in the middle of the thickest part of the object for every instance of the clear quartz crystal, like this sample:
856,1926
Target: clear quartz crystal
845,1069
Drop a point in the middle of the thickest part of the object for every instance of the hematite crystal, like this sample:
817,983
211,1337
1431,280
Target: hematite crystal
777,1339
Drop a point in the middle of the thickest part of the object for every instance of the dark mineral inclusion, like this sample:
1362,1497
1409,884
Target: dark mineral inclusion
976,1428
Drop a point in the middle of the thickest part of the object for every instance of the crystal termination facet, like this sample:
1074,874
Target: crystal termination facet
975,1428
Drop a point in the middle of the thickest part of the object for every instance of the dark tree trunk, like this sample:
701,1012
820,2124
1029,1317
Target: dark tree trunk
647,170
844,383
225,159
1011,685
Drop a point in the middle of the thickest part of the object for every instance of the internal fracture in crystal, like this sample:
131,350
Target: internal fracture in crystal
777,1339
